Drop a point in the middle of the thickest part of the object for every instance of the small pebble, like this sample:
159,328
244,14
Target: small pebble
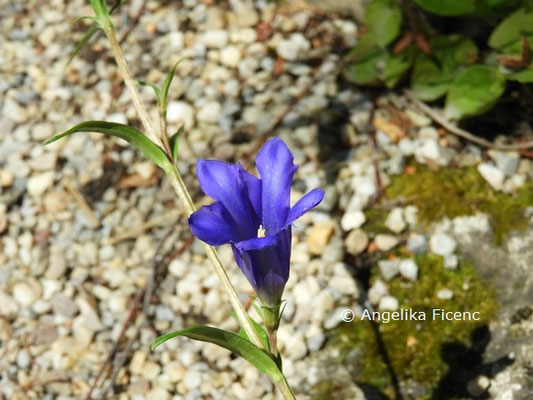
356,242
492,175
388,303
408,269
444,294
319,237
386,242
417,244
395,221
352,220
442,244
389,268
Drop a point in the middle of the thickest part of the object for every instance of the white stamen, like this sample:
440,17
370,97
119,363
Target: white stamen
261,232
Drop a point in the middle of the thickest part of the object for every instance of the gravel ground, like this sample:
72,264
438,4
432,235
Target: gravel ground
83,220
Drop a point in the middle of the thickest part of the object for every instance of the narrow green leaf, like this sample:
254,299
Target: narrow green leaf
174,142
102,13
92,30
83,18
165,87
512,28
383,19
525,76
117,5
474,91
259,358
132,135
448,7
258,328
157,91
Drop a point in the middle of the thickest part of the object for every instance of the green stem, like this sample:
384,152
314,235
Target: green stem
132,87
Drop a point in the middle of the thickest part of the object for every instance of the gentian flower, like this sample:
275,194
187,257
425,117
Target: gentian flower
253,215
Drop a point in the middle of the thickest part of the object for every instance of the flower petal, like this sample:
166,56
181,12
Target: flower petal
213,225
265,263
224,183
275,165
253,185
256,243
303,205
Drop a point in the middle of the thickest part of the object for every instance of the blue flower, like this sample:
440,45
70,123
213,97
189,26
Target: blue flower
254,215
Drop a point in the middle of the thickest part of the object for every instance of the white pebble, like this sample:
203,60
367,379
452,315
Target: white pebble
408,269
23,294
293,48
180,112
39,183
386,242
352,220
230,56
442,244
214,38
444,294
492,175
395,221
388,303
209,112
377,291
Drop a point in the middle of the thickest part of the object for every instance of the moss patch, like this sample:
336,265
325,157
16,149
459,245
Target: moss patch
414,347
453,192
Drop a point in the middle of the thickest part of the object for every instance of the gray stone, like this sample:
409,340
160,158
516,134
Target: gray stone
389,268
507,162
417,244
63,305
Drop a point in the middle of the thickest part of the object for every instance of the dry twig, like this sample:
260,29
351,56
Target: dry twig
452,128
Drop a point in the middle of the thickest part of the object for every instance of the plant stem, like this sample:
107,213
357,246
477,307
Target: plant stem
164,134
132,87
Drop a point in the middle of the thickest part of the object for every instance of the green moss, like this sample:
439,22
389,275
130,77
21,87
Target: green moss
375,220
454,192
414,347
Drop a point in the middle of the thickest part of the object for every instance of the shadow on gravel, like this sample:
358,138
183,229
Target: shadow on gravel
465,364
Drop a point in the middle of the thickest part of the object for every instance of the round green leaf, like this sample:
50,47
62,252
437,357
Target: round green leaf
432,76
474,91
448,7
512,28
383,19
